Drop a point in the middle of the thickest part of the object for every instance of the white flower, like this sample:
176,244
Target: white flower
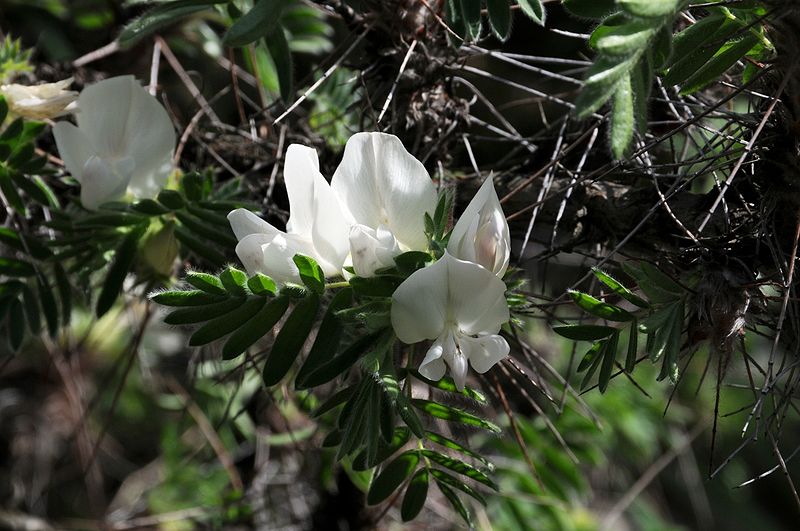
39,102
382,187
316,226
481,234
461,307
123,142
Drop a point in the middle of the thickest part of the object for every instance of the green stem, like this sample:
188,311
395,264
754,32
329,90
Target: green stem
336,285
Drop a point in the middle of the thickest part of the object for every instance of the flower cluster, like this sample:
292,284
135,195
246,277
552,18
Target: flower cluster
373,210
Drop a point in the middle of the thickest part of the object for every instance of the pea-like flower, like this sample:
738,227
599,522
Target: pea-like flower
481,234
39,102
123,143
461,307
386,191
316,226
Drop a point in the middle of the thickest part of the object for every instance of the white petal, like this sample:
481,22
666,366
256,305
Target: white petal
420,304
433,366
481,234
485,351
476,297
100,183
243,222
272,255
380,183
371,250
122,119
74,147
458,368
329,231
299,173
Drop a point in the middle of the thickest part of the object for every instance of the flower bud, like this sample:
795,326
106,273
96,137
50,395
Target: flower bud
481,235
38,102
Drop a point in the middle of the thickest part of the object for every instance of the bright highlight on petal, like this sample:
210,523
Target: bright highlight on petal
460,306
128,131
380,184
481,235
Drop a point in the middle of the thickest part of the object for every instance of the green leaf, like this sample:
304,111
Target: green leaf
599,308
226,323
123,260
254,24
31,309
104,219
201,314
725,58
329,336
221,236
12,195
200,247
16,324
64,293
409,416
672,344
205,282
660,279
590,357
184,298
471,14
290,339
16,268
377,286
400,437
234,281
49,307
694,46
534,9
619,289
261,284
460,467
622,118
415,496
310,273
340,363
594,9
584,332
392,476
447,384
159,17
500,18
453,445
650,8
411,261
171,199
456,502
601,82
633,347
443,478
452,414
255,328
609,356
149,207
595,357
3,109
278,48
622,39
334,401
